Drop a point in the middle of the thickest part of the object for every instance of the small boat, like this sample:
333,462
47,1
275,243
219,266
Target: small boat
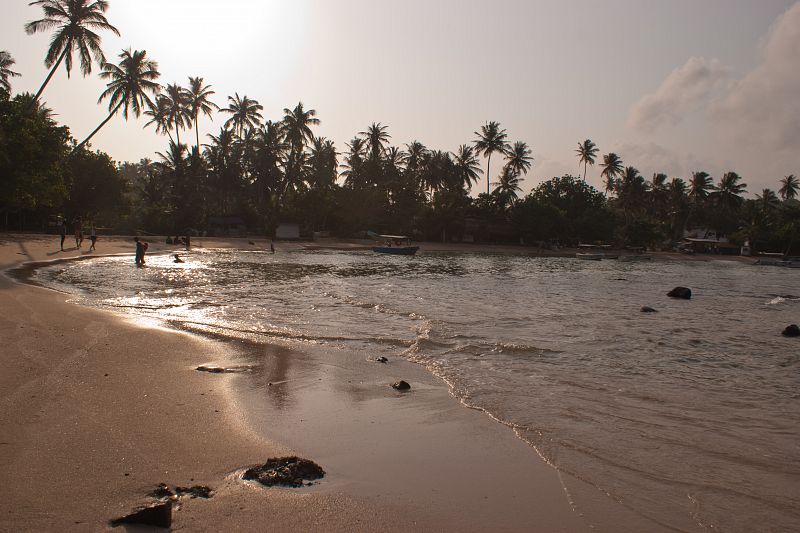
787,263
396,245
636,257
589,257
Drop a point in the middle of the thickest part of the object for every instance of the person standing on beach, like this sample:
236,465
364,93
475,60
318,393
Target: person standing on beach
62,229
78,232
93,237
140,249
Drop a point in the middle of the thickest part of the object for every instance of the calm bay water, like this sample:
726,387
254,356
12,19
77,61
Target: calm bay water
693,411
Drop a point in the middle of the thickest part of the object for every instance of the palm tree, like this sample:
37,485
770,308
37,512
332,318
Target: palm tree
728,191
376,136
353,163
131,80
507,186
490,139
518,158
790,187
699,186
176,102
158,112
197,96
297,124
244,113
6,62
612,167
466,163
75,21
587,152
768,201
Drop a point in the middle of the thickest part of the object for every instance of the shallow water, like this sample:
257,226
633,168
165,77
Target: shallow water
687,415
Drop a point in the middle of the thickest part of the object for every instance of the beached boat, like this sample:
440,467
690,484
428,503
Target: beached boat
588,257
778,262
636,257
396,245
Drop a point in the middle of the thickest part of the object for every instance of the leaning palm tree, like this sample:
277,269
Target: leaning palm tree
245,113
131,80
490,139
158,112
6,62
197,96
790,187
612,167
75,21
587,152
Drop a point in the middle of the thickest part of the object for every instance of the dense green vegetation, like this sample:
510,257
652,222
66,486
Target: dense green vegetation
266,171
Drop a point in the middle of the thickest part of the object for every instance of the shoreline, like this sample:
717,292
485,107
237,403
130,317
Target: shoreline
422,466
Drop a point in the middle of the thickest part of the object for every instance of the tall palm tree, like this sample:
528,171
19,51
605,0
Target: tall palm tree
353,163
466,163
131,80
176,102
6,62
728,191
507,186
518,158
790,187
612,167
245,113
587,152
700,186
490,139
158,111
297,124
376,137
75,21
198,101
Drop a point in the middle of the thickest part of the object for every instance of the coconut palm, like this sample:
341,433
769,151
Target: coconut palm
700,186
518,158
767,201
587,152
790,187
131,80
728,191
612,167
6,62
507,186
376,136
75,21
158,112
297,124
354,163
245,113
490,139
197,96
466,165
176,102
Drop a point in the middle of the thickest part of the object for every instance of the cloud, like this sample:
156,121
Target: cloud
681,92
651,157
761,111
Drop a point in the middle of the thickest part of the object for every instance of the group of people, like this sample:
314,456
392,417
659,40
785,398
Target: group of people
78,230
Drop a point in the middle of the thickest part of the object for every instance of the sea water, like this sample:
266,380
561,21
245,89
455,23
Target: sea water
693,410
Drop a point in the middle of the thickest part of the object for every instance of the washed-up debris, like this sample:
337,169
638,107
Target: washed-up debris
285,471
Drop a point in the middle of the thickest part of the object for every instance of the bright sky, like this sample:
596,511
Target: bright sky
671,86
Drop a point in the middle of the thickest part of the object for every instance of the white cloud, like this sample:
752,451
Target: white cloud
761,112
681,92
651,157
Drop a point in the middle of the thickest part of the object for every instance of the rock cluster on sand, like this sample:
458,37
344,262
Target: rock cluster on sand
285,471
401,385
680,292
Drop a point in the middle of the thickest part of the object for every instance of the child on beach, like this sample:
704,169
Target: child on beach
62,229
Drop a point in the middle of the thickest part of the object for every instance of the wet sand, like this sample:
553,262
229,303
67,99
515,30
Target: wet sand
96,410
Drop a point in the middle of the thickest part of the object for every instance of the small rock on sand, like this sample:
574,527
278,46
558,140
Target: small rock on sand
646,309
791,331
285,471
401,385
680,292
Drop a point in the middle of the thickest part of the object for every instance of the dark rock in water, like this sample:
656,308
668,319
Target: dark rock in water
646,309
680,292
401,385
197,491
158,514
285,471
381,360
791,331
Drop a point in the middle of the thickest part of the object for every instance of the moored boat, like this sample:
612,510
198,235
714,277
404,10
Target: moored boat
396,245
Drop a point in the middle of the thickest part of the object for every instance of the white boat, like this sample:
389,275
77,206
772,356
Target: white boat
395,244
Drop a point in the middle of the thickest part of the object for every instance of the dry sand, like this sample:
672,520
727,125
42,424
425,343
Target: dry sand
96,410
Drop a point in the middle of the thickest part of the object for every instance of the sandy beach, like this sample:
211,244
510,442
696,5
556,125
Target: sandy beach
96,411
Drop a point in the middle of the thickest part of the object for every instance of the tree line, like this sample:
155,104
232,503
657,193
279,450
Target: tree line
268,171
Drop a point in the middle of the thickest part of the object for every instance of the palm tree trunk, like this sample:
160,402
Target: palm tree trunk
197,133
50,75
111,114
178,134
488,166
584,169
